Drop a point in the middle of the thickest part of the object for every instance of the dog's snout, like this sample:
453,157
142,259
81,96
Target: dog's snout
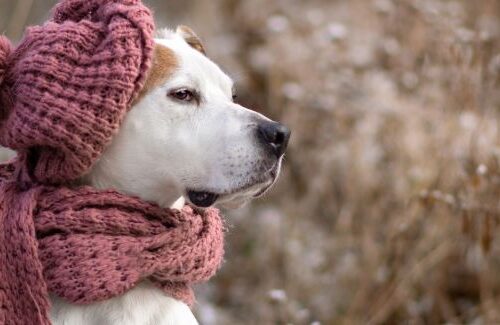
275,136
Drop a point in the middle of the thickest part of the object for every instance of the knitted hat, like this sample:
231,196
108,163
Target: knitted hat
66,88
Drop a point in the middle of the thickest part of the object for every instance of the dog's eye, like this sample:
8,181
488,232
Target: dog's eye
235,97
183,94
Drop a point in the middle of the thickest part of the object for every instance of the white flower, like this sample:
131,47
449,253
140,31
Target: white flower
277,23
336,31
277,295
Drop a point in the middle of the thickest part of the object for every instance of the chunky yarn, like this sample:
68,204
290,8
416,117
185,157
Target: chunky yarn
67,86
64,92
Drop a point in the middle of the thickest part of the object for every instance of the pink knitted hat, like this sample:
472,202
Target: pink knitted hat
66,88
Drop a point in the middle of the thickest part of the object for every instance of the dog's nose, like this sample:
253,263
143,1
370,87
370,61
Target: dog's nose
275,136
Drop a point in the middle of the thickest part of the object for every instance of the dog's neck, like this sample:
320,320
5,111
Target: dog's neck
171,198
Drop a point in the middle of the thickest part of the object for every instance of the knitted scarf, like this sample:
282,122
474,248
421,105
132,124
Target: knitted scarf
87,245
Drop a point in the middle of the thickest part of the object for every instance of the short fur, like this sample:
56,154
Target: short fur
191,38
163,66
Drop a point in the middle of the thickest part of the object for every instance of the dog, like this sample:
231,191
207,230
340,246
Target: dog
184,139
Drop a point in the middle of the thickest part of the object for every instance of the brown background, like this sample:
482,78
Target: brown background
387,210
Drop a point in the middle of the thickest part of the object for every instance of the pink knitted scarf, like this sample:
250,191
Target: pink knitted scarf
87,245
64,92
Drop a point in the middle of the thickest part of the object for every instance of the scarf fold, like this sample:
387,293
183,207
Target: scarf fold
87,245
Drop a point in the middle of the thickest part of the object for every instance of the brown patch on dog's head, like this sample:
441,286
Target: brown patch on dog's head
163,66
191,38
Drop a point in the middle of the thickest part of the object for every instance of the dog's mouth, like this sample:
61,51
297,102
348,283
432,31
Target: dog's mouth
270,182
254,189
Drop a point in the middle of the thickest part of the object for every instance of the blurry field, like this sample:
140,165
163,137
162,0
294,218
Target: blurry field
388,208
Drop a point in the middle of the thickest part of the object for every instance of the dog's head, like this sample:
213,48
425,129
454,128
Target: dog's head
185,135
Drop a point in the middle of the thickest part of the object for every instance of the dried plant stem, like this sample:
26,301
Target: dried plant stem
396,293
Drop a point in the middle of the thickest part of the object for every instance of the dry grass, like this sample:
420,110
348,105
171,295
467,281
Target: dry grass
388,207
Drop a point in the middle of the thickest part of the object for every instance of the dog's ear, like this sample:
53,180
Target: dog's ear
191,38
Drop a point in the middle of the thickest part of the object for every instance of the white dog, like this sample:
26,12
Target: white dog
183,138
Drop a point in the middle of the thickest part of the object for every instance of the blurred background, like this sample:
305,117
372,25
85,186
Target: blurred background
388,207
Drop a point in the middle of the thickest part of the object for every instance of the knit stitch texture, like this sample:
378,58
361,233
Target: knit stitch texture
64,92
87,245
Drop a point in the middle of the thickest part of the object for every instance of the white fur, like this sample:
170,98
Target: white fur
165,148
143,305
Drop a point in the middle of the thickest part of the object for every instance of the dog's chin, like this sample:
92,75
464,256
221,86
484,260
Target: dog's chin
234,197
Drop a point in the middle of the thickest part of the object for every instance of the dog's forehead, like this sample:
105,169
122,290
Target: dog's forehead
163,67
195,66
